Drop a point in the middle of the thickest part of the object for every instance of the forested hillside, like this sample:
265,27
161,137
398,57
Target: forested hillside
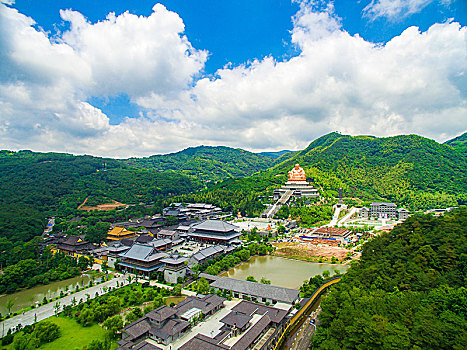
407,292
37,185
412,171
206,163
459,143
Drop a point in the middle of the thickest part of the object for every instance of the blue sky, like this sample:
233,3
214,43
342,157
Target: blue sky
221,72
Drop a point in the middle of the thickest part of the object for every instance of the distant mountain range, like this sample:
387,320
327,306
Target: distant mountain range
206,163
275,155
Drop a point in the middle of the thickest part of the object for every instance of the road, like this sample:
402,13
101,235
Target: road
334,217
302,337
47,310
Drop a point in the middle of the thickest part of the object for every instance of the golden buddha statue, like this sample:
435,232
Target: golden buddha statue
297,174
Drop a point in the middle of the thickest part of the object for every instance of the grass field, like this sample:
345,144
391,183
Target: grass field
175,300
73,336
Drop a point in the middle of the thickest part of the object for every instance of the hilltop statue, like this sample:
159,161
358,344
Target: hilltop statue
297,174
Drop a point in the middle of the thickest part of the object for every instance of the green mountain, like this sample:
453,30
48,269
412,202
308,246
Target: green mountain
412,171
205,163
37,185
408,291
275,155
459,142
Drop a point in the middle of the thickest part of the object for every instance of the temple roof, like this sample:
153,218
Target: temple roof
215,225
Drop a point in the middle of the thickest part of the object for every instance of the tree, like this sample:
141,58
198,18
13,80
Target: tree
251,279
265,281
98,232
47,331
57,308
203,286
113,325
326,274
9,305
171,220
177,290
83,262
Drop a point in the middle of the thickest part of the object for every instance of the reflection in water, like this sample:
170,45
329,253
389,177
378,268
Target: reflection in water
27,297
280,271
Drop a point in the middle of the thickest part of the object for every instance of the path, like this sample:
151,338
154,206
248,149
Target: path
85,200
47,310
334,217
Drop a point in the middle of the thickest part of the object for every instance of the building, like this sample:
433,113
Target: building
113,252
161,325
256,291
247,326
205,254
175,268
119,232
192,307
142,259
327,235
214,232
165,324
384,211
402,214
74,245
168,234
199,211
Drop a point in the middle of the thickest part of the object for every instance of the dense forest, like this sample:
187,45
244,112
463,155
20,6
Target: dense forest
35,186
408,291
206,163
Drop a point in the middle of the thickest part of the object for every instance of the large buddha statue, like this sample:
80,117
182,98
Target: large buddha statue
297,174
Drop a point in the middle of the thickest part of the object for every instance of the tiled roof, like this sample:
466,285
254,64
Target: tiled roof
202,342
161,313
252,334
383,203
137,328
207,253
247,307
215,225
144,345
206,304
170,328
236,319
285,295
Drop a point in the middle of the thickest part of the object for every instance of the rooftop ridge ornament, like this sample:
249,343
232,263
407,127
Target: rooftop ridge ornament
297,174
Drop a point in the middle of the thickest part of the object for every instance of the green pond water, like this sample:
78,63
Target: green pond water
280,271
28,297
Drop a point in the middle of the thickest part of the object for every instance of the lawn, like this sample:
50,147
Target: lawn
73,336
176,300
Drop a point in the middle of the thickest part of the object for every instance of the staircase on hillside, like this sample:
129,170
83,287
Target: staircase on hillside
271,211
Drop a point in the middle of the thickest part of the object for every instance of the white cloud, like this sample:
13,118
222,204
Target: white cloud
394,9
415,83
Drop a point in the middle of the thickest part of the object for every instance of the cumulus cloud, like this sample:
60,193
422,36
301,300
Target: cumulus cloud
394,9
415,83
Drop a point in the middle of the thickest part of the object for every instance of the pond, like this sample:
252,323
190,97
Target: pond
280,271
27,297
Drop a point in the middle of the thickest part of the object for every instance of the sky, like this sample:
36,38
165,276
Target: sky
136,78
